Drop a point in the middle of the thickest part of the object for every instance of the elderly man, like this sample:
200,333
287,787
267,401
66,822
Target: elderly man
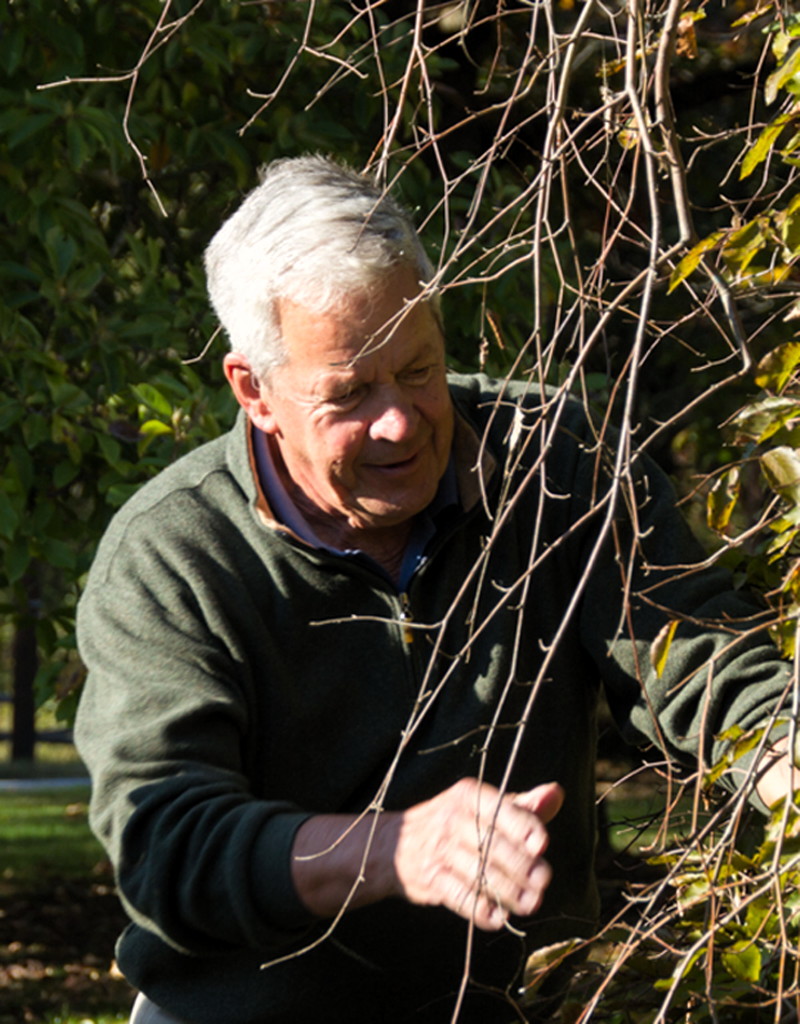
344,661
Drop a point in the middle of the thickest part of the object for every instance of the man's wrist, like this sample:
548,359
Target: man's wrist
345,861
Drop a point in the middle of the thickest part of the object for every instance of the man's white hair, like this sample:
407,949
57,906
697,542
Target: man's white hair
314,232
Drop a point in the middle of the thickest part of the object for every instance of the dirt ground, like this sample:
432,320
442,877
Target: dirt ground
56,950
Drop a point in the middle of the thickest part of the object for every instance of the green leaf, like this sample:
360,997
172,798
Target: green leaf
117,494
64,473
27,126
153,399
110,448
152,428
760,420
542,961
743,960
659,649
788,221
11,411
17,559
746,243
58,553
9,516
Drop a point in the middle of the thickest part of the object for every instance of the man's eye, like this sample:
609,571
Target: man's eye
346,399
419,375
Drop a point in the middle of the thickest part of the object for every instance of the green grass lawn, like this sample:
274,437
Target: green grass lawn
58,913
45,832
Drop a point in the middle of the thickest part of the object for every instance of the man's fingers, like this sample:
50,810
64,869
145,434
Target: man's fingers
544,801
476,852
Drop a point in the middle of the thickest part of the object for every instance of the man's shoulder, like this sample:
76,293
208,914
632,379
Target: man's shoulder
210,480
489,401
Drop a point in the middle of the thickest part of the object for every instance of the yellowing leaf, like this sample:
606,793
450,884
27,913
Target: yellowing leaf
782,469
628,137
759,151
788,221
686,42
659,649
760,420
758,10
721,500
692,258
777,366
781,75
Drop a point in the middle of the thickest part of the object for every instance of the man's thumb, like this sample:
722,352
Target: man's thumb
544,801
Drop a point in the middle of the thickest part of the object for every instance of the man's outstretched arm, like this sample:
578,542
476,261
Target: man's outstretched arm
468,849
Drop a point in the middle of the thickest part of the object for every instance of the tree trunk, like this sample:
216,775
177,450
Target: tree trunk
26,665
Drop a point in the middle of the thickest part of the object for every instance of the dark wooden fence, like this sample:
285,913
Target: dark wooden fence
23,747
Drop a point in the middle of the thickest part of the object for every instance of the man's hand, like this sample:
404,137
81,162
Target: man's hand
467,849
477,854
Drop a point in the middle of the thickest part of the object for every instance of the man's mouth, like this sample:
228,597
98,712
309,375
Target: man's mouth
397,464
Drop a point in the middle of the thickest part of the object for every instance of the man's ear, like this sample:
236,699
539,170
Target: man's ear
251,393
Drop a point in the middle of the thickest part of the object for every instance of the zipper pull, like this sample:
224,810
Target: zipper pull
405,618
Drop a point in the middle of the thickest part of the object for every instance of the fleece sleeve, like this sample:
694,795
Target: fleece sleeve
201,860
643,573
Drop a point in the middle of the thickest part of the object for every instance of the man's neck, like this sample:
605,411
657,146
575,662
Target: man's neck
385,545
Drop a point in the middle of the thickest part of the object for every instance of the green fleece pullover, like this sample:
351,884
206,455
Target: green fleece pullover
239,681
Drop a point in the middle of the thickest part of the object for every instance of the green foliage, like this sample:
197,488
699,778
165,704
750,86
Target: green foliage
761,251
103,299
107,208
722,949
765,434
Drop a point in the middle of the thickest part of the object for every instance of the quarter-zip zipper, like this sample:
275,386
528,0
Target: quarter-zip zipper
406,618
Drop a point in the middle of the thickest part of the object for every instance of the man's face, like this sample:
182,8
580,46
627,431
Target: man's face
360,411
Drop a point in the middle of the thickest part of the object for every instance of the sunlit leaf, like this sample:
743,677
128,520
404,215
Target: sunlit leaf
788,221
777,366
761,148
743,961
784,636
721,500
659,649
778,79
757,12
782,469
152,428
686,41
743,245
542,961
691,260
629,137
760,420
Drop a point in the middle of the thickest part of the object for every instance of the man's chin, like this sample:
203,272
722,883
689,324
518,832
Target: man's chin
376,515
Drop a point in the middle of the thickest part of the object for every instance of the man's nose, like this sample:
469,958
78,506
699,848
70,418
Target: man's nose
394,418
